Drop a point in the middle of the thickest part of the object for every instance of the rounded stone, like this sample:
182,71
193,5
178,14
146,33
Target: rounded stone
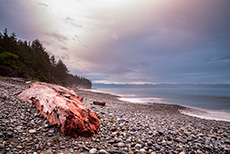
85,148
2,146
149,143
114,151
32,131
142,151
138,146
102,151
93,151
121,144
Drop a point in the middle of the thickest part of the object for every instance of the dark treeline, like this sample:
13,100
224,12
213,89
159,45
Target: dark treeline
30,61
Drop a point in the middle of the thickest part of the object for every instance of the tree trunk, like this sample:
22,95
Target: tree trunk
62,108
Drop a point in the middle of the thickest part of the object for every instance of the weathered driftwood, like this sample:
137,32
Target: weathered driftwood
99,103
62,108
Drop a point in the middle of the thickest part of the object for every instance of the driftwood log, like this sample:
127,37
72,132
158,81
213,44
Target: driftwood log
99,103
62,108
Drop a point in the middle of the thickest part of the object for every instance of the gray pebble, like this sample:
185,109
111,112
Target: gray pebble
93,151
102,151
121,144
32,131
129,128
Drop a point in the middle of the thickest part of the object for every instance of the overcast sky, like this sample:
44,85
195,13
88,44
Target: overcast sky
129,41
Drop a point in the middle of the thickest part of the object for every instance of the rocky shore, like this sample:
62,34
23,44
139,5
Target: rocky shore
124,128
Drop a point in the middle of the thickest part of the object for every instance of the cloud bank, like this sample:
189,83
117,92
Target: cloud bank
180,41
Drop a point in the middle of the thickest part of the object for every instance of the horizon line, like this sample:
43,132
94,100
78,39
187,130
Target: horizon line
161,83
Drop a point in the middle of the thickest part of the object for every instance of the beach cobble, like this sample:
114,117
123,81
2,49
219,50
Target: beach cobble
124,128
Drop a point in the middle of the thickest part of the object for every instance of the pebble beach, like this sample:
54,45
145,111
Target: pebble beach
124,128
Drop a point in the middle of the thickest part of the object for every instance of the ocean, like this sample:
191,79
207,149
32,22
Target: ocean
213,101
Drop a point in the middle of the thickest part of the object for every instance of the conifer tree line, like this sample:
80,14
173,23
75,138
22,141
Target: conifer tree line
30,61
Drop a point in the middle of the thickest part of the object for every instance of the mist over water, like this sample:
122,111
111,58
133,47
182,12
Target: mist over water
215,97
209,100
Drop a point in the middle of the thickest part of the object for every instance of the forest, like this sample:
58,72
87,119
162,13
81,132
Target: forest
30,61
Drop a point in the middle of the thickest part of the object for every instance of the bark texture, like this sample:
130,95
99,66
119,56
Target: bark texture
62,108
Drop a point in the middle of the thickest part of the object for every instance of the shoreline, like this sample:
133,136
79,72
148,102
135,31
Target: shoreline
124,128
218,115
207,114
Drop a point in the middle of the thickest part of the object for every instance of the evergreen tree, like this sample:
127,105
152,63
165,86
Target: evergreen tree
8,43
20,59
61,72
42,64
53,61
